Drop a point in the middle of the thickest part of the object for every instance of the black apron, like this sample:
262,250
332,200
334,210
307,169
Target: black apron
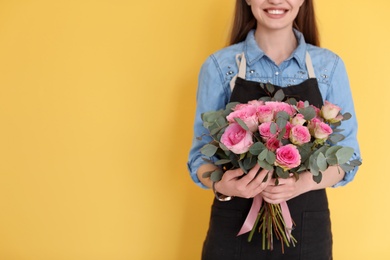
309,211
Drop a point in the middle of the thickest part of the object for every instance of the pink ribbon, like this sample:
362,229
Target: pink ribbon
252,215
254,210
287,218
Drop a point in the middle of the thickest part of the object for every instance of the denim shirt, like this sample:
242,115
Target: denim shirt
218,70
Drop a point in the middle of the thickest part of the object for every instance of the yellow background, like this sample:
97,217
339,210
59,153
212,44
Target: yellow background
96,108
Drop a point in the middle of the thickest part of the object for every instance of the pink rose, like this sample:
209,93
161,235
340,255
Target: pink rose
237,139
287,157
288,130
300,135
239,107
300,104
273,143
265,113
265,131
331,112
281,106
256,103
322,131
312,124
247,114
298,119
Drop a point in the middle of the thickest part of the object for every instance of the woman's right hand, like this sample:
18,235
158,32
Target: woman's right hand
236,183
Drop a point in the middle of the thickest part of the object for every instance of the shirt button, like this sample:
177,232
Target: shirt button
277,73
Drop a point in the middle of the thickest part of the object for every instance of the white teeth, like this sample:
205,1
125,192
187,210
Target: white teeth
275,11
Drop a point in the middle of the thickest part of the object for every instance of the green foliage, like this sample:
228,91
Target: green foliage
335,138
216,175
308,112
209,150
281,173
344,154
279,95
257,148
222,162
347,116
241,123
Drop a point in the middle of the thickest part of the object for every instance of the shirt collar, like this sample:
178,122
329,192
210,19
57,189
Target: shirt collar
253,53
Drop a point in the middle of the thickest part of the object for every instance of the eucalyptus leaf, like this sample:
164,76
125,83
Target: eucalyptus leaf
223,147
281,173
347,116
263,155
308,113
257,148
335,138
217,130
347,167
314,169
241,123
337,130
281,122
335,124
206,174
332,160
279,95
216,175
209,150
211,116
207,160
344,154
250,162
273,128
321,162
282,133
270,87
265,165
317,178
291,101
222,161
270,157
355,162
284,115
330,154
332,150
229,108
305,151
240,163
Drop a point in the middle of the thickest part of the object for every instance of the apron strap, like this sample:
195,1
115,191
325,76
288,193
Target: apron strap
241,64
309,66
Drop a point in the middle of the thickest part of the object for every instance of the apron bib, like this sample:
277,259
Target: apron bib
309,211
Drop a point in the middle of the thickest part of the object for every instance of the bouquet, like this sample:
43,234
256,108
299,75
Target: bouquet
284,137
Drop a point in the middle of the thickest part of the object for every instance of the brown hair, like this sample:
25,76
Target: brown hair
244,21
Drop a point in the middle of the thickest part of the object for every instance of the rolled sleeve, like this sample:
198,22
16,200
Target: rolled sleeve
340,95
211,95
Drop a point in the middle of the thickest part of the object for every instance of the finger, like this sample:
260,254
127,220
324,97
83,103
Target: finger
247,178
233,174
260,182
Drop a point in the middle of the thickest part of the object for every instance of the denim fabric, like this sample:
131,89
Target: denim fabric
218,70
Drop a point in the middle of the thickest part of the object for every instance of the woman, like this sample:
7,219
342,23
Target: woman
272,41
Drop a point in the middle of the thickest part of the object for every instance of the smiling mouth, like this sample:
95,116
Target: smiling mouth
275,11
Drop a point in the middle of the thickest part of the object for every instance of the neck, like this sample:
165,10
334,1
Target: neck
278,45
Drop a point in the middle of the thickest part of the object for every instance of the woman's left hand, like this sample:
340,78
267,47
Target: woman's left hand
287,188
